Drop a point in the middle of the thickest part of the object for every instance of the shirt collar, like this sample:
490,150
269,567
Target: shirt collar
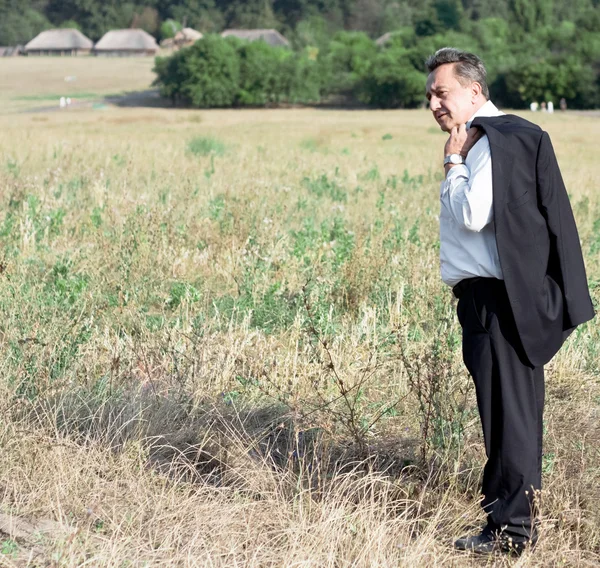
488,109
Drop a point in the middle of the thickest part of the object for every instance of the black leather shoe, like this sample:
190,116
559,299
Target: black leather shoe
489,541
484,543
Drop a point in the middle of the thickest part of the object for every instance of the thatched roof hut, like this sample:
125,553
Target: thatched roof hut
11,50
183,38
65,41
187,36
119,43
272,37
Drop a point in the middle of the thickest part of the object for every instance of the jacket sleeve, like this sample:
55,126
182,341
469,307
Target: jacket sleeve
564,238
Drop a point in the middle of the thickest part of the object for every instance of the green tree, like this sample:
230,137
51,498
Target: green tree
146,19
313,31
449,13
348,59
251,14
204,75
427,22
261,73
302,78
552,78
70,24
169,28
532,14
392,81
18,27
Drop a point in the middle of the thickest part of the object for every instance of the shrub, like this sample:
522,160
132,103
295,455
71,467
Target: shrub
169,28
262,78
203,146
348,60
392,81
303,79
204,75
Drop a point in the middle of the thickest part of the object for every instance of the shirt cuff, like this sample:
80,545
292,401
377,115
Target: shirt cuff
458,171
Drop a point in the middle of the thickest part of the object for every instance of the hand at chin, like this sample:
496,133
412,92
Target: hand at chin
461,140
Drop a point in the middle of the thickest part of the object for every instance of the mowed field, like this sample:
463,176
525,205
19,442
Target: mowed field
224,340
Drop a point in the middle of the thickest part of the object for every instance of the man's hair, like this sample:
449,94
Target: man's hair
468,67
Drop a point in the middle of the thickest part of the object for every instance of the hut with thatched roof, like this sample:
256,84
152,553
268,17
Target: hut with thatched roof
121,43
11,50
65,41
272,37
186,36
183,38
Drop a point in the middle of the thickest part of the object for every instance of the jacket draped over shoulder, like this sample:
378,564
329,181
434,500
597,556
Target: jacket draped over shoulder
538,244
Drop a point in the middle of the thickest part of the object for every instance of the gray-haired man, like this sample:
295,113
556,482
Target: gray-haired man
510,250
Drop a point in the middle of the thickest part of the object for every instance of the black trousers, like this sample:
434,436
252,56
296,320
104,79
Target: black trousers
510,398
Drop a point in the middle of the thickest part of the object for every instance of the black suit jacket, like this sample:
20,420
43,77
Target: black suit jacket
538,243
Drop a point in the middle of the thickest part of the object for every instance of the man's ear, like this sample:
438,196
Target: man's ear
476,89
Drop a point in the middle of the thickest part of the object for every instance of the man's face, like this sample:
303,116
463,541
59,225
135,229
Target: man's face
451,103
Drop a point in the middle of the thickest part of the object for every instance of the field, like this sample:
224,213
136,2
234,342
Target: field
224,340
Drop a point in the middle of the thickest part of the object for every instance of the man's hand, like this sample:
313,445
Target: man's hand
462,140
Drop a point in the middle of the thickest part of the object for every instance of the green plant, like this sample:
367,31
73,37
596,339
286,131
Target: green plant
205,146
324,187
9,547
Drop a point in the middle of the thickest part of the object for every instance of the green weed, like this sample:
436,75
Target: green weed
324,187
206,146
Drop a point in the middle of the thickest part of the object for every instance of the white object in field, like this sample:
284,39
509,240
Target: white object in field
550,106
533,106
62,102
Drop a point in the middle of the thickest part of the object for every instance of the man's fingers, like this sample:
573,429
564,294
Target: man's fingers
476,135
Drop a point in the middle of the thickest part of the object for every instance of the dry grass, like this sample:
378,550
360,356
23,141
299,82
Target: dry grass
214,360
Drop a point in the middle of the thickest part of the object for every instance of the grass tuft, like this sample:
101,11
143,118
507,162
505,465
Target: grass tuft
206,146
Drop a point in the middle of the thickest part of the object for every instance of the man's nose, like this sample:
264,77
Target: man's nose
434,103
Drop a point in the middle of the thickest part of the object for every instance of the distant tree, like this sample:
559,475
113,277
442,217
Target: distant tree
261,73
402,37
532,14
19,27
348,59
480,9
201,15
427,22
449,13
251,14
146,19
204,75
551,79
367,16
588,19
94,17
70,24
302,78
392,81
313,31
169,28
217,72
396,15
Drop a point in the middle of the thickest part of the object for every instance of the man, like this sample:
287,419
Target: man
510,250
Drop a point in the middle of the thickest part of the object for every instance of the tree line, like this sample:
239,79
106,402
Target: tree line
534,49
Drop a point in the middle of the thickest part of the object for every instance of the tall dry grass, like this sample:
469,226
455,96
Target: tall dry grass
224,342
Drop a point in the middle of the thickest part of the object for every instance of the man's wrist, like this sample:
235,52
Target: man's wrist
454,159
